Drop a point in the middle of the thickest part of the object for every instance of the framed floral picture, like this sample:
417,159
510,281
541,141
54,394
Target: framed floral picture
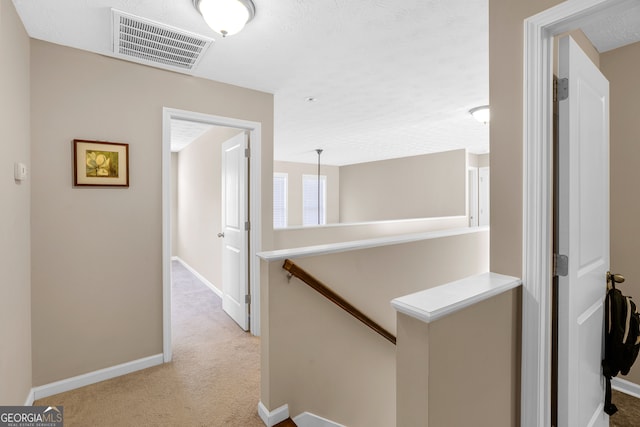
97,163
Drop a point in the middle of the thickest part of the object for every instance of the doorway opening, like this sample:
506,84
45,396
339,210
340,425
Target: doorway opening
538,197
253,130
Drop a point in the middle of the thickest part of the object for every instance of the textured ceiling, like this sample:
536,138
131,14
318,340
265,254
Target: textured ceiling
391,78
184,132
615,28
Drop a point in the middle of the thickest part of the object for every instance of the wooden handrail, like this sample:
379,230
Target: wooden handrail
314,283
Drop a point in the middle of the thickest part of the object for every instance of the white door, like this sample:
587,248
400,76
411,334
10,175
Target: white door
472,183
583,235
483,197
235,234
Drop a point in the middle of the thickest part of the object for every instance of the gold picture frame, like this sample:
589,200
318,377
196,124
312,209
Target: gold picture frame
100,164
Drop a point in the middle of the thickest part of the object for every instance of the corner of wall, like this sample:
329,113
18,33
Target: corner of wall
15,224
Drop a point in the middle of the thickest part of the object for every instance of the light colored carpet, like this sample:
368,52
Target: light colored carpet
214,379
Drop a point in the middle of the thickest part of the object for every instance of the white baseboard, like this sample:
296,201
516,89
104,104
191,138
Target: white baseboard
94,377
274,417
626,387
307,419
199,276
29,400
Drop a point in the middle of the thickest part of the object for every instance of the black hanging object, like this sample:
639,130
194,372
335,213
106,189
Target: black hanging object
621,337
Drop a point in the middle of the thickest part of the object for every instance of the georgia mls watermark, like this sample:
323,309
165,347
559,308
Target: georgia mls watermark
31,416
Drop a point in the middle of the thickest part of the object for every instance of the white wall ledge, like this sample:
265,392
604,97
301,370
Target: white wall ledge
281,254
367,223
434,303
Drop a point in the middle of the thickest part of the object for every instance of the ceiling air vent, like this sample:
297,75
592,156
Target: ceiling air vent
148,42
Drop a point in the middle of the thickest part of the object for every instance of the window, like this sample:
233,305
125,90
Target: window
280,200
310,200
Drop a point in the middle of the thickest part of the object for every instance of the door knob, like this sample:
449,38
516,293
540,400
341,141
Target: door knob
615,278
220,234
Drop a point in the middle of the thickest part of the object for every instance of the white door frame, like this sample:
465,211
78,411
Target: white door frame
537,254
255,242
472,196
484,197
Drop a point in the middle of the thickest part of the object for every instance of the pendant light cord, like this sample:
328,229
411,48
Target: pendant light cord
319,151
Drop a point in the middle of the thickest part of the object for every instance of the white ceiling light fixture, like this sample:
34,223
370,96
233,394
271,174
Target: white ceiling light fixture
481,114
226,17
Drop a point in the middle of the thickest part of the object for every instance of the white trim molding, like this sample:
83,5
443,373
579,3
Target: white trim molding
332,248
255,212
626,387
539,31
94,377
29,400
435,303
274,417
307,419
198,276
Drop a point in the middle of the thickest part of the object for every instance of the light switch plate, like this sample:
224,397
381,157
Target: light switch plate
20,171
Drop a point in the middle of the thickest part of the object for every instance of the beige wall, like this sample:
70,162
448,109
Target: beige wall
478,160
96,252
621,66
469,355
310,236
449,371
323,361
506,43
431,185
585,44
15,235
294,193
199,203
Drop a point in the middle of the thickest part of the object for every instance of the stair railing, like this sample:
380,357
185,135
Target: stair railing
314,283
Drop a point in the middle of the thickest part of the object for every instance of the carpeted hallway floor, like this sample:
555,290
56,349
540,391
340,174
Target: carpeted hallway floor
628,414
214,379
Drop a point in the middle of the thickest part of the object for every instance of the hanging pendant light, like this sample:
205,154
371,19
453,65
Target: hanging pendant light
226,17
319,151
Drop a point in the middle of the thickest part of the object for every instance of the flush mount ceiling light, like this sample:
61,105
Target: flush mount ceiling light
226,17
481,114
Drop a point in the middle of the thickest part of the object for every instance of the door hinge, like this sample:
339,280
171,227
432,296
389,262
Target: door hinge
561,89
247,226
247,152
247,299
560,265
